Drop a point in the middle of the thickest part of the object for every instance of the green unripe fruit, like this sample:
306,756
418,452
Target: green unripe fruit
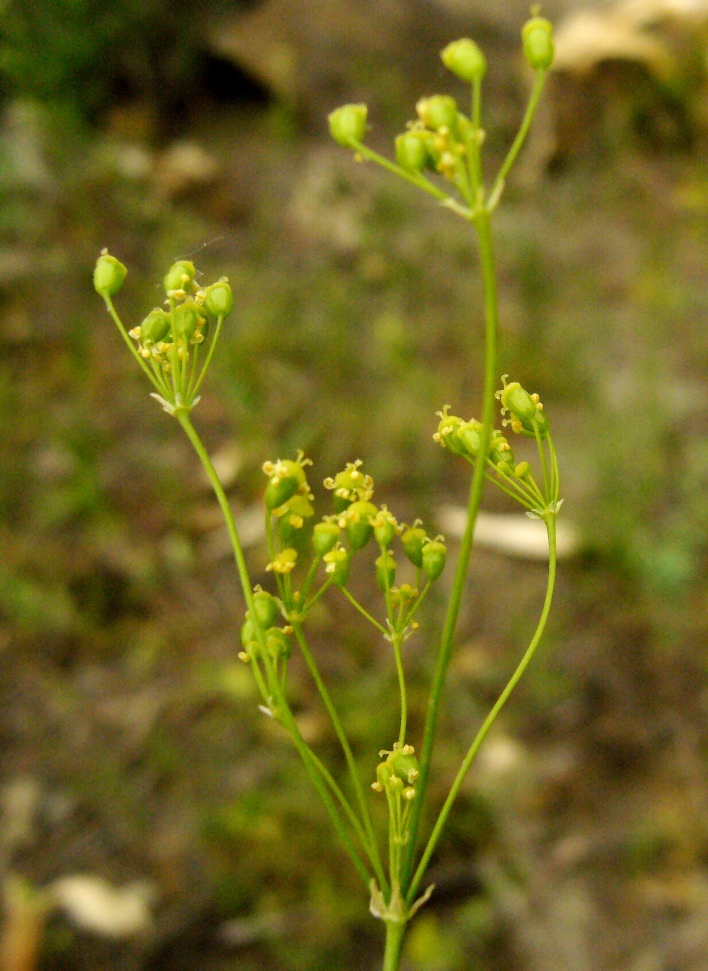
518,401
526,410
265,609
348,124
248,633
439,111
292,528
340,574
384,773
384,529
465,59
175,276
278,644
348,485
324,537
404,766
433,558
186,319
500,452
469,437
155,326
385,571
537,38
285,479
412,541
218,299
448,432
108,275
359,528
413,151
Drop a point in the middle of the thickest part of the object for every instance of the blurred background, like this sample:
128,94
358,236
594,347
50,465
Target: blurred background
151,817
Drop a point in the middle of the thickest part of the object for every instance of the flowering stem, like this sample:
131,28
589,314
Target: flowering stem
484,235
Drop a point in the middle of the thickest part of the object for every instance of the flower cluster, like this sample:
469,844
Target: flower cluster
526,417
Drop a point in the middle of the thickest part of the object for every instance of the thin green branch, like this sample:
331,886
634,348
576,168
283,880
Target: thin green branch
363,612
500,181
489,720
372,846
119,323
415,178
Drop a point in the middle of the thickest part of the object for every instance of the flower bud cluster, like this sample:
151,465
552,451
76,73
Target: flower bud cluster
168,338
167,334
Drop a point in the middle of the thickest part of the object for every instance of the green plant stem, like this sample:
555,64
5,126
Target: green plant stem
124,334
289,722
484,234
313,767
195,390
499,182
363,612
489,720
415,178
372,847
395,932
396,641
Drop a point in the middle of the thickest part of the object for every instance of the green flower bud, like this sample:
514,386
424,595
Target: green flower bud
179,275
465,59
537,38
186,319
286,477
265,608
337,561
324,537
293,526
433,558
348,124
278,644
109,275
358,523
218,299
385,571
404,764
439,111
155,327
412,541
413,151
469,437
